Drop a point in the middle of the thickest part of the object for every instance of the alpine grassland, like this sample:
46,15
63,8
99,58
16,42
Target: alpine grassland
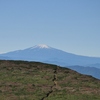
22,80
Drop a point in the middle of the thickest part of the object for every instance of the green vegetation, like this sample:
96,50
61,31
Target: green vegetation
21,80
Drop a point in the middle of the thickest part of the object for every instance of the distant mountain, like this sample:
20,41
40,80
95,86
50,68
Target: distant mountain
95,72
97,65
44,53
47,54
4,58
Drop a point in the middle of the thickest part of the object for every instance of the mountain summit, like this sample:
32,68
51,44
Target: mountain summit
44,53
42,46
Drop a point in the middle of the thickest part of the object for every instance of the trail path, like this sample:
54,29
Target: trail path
54,86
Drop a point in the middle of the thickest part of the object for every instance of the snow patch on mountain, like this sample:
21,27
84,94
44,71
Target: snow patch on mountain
41,46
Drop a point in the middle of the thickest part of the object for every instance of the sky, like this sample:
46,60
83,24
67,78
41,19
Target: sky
70,25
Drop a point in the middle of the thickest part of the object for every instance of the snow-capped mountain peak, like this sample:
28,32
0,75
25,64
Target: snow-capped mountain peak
41,46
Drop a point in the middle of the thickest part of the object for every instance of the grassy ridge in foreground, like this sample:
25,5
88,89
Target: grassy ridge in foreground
20,80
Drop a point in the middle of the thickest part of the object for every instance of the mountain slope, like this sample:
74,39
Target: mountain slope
4,57
37,81
44,53
95,72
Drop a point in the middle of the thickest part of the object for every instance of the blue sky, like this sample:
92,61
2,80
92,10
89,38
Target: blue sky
69,25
